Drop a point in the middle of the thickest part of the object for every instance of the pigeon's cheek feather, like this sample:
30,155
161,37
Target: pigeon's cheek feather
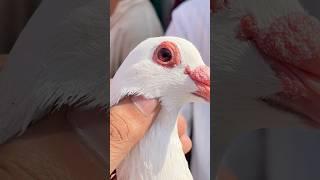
167,55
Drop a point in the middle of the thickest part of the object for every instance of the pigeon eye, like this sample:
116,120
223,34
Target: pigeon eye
167,54
164,54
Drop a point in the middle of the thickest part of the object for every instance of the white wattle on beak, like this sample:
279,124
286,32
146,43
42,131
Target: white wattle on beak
201,77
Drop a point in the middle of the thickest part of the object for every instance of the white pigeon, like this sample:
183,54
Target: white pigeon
269,51
58,59
171,69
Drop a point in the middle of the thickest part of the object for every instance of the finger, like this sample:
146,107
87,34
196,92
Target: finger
129,121
182,125
186,143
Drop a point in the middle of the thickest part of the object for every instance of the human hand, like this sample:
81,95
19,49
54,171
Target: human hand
130,120
52,149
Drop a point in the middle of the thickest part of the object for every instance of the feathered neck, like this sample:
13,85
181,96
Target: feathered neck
159,154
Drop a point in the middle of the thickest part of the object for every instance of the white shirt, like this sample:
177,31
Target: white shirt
132,22
191,20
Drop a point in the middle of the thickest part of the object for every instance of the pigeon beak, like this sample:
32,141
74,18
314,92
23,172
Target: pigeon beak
300,89
201,77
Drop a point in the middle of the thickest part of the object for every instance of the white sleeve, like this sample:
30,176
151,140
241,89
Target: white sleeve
187,112
175,27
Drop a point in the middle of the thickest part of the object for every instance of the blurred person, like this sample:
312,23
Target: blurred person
53,149
14,14
191,20
272,154
69,142
131,21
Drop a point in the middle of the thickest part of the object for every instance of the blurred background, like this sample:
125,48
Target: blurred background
14,14
164,9
286,144
273,154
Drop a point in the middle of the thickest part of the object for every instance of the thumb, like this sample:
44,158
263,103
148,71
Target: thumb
129,121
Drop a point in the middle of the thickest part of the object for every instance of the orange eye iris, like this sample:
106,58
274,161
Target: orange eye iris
167,54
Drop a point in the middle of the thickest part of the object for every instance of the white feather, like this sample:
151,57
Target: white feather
159,155
58,59
241,74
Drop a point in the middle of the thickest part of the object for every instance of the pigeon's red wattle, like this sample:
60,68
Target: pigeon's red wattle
291,45
292,39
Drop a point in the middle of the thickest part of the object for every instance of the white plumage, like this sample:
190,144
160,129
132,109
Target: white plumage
246,66
58,59
159,155
280,39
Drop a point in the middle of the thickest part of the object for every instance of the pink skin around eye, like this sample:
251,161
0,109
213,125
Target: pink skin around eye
201,77
291,45
175,60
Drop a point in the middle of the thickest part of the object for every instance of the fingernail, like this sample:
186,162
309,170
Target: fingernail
146,106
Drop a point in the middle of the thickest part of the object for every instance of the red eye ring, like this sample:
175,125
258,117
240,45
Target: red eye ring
167,54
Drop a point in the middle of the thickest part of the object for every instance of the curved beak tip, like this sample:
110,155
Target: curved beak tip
201,77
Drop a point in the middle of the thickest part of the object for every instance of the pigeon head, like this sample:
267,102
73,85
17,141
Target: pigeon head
273,48
168,68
